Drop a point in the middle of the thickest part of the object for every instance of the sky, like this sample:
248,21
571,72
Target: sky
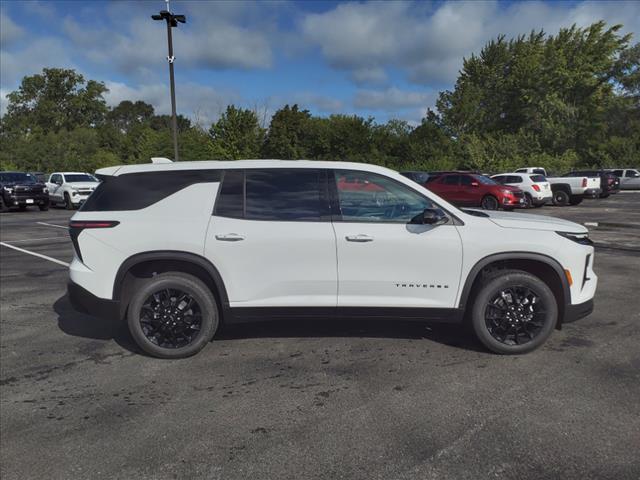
380,59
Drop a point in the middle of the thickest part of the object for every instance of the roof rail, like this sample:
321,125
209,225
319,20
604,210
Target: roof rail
160,160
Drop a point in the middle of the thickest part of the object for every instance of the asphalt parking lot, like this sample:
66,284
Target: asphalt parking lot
292,400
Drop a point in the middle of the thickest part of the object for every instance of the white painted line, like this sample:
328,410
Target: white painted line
54,260
591,224
36,239
52,225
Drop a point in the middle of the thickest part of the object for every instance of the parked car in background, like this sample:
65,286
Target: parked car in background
278,239
537,191
629,178
609,183
22,190
39,176
473,190
417,176
568,190
71,188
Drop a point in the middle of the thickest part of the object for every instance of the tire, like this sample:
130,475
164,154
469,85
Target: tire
3,206
519,327
528,200
560,198
67,202
22,208
489,202
44,207
576,200
157,338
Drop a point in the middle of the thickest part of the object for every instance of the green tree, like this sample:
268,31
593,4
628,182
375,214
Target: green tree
56,99
127,114
237,134
289,135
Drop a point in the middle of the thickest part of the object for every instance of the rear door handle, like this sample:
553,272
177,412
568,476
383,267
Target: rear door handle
230,237
359,238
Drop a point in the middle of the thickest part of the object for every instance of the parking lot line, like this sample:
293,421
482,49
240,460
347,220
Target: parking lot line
54,260
52,225
36,239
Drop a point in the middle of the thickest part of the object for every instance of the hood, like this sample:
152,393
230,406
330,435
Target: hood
533,222
83,184
22,184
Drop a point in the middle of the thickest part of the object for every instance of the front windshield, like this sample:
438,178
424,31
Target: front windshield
80,177
15,177
485,180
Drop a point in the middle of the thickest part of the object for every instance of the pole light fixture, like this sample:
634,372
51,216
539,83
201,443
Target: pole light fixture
172,21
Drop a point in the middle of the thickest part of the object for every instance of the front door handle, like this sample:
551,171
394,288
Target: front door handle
230,237
359,238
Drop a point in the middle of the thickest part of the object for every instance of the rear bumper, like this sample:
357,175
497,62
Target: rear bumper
592,192
542,201
576,312
86,302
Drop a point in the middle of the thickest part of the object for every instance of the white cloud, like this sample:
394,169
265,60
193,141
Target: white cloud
9,31
428,44
39,53
392,99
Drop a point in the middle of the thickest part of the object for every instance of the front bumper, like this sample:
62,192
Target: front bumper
86,302
79,199
576,312
26,200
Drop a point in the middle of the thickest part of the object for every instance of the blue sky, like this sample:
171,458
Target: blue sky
380,59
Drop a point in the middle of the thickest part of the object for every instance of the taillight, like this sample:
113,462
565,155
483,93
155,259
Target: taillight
584,182
76,226
535,187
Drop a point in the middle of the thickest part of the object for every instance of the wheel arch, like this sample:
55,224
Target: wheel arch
145,265
562,187
542,266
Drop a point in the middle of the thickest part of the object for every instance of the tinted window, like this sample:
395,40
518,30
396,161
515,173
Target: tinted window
55,178
521,170
632,174
231,198
466,180
451,180
538,178
285,195
79,177
501,179
485,180
15,177
368,197
134,191
539,171
618,173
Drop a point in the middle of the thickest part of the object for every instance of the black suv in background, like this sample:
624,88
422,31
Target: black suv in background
609,183
22,190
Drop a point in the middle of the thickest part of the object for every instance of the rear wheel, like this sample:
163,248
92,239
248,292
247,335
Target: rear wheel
560,198
172,315
514,312
490,202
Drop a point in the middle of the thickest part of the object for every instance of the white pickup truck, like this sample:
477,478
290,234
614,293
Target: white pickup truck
568,190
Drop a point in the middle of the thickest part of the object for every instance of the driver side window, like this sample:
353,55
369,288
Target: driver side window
368,197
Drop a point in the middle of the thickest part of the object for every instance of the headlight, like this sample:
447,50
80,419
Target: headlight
506,192
8,189
581,238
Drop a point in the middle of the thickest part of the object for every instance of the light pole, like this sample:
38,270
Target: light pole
172,21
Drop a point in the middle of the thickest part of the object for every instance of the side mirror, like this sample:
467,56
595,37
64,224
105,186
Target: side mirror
475,184
431,216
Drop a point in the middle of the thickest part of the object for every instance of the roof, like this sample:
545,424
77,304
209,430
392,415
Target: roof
239,164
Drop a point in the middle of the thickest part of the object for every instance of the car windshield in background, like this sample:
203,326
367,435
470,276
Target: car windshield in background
16,178
80,177
538,178
485,180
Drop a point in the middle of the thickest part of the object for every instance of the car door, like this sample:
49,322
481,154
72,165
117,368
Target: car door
54,185
447,187
385,260
271,238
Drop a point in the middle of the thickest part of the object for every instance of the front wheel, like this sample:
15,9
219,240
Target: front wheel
490,203
514,312
67,202
172,315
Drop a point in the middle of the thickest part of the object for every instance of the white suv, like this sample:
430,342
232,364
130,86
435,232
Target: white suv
537,191
177,249
71,188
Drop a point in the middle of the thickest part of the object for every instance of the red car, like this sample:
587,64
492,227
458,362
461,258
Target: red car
472,190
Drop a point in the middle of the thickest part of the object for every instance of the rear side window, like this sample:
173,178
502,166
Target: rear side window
284,195
538,178
451,180
135,191
231,199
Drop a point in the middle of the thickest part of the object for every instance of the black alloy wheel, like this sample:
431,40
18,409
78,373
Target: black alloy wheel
515,315
560,198
490,203
171,318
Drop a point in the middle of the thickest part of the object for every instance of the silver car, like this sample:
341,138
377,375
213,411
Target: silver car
629,178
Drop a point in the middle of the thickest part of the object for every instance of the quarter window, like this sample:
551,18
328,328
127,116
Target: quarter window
368,197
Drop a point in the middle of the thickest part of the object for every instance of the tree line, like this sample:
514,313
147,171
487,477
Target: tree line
557,101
